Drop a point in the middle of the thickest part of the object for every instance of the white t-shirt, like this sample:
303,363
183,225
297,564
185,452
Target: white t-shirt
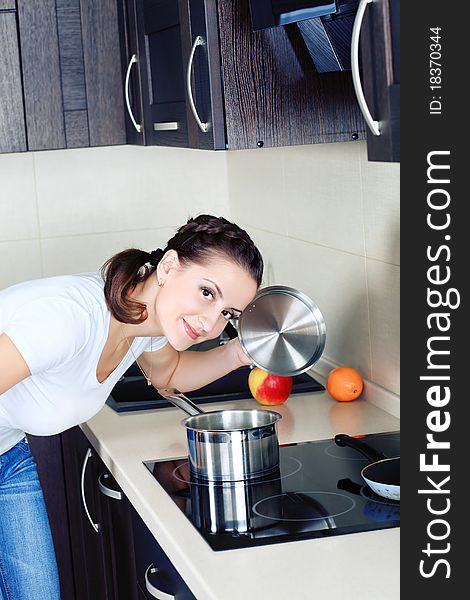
60,326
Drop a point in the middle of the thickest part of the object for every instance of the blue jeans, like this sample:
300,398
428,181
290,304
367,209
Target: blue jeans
28,568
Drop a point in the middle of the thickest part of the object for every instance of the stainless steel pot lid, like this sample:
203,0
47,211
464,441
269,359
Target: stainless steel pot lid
282,331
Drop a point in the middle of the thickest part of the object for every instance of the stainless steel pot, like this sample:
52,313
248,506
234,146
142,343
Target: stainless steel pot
282,331
228,445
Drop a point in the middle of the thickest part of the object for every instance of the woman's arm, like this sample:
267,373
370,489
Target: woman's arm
188,370
13,367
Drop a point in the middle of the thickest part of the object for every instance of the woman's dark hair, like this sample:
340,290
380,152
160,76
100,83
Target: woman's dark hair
200,239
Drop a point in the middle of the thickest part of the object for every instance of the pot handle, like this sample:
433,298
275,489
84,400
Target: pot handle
370,453
179,399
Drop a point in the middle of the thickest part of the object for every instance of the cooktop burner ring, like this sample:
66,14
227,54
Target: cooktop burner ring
348,503
337,452
293,467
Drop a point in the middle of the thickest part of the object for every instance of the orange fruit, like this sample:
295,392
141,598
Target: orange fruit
344,384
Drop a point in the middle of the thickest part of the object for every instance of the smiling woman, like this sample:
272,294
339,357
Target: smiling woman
65,342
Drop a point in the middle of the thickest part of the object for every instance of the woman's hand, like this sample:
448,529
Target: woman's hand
239,353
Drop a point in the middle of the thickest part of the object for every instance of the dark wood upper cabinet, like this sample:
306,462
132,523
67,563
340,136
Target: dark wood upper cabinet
103,72
380,77
39,45
170,100
164,108
207,80
273,94
61,80
185,73
12,124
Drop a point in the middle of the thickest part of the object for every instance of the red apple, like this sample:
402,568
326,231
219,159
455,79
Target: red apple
267,388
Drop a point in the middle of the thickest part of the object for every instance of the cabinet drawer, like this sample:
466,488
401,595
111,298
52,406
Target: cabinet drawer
154,569
118,539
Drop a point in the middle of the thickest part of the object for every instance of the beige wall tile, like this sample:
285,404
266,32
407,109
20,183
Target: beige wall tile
336,282
383,282
18,208
120,188
381,193
20,261
256,186
274,249
196,179
323,193
79,253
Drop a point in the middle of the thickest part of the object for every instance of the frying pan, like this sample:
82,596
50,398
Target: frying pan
228,445
375,509
382,475
282,331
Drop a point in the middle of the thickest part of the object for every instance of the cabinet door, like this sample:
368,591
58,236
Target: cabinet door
81,466
12,124
41,74
155,572
381,77
71,70
273,93
118,538
103,72
47,452
201,61
161,67
132,76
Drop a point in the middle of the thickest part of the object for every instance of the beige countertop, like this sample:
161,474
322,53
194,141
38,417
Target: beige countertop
364,563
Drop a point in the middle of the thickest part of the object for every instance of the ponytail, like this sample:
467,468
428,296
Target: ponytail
121,273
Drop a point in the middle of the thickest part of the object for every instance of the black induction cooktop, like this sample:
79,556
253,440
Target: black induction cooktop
317,492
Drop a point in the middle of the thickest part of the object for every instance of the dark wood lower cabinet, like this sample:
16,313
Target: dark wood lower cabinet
118,539
141,593
48,454
87,538
155,572
104,549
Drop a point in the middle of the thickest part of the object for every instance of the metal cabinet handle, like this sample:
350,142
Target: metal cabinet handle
126,92
199,41
166,126
151,589
95,526
374,126
106,490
